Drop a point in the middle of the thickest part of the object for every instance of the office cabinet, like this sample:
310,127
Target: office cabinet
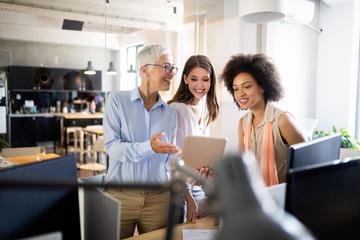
27,131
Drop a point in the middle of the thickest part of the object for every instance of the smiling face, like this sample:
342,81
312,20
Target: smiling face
247,91
198,81
159,79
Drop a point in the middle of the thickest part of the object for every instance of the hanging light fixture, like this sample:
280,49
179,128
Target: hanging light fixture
90,70
111,70
131,70
262,11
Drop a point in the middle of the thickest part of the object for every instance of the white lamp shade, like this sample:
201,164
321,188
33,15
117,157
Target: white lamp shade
111,70
262,11
90,70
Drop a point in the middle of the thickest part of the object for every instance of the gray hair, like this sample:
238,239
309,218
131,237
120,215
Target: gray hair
149,55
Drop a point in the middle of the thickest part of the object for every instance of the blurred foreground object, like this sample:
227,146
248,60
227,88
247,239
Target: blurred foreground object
246,211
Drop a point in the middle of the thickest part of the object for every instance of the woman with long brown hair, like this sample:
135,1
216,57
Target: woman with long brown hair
197,107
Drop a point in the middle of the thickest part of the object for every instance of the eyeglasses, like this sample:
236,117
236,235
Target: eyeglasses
168,68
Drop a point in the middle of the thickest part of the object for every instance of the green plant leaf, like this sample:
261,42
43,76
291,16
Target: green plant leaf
346,142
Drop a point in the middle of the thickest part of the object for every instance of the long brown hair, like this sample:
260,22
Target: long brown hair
183,94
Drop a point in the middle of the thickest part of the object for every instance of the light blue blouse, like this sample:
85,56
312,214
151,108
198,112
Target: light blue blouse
128,127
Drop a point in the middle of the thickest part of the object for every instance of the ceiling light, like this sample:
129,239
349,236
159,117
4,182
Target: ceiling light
111,70
131,70
262,11
90,70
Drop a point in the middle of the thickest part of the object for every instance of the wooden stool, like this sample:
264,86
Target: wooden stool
97,147
67,131
95,167
81,134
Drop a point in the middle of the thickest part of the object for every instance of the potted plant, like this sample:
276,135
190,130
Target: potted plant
3,142
349,146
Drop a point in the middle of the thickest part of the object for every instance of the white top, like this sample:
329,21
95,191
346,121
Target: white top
187,124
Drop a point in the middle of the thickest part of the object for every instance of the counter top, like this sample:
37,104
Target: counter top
61,115
31,115
79,115
31,158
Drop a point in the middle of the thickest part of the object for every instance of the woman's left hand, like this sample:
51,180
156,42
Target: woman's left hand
191,208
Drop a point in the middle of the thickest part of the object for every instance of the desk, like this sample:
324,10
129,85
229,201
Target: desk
79,115
32,158
97,131
202,223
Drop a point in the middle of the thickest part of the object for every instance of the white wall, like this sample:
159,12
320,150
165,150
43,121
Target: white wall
319,70
219,40
59,56
337,66
294,50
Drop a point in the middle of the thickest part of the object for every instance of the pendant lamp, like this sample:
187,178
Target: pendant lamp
131,70
111,70
89,69
262,11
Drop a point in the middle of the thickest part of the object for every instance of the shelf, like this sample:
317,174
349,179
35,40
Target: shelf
14,115
54,90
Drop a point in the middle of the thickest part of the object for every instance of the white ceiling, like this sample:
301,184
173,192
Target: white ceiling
18,18
121,14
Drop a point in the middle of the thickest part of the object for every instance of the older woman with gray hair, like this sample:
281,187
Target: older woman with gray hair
139,132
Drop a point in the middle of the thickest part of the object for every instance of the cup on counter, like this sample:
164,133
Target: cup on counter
41,155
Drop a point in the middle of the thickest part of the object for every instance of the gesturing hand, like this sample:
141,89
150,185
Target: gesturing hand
161,147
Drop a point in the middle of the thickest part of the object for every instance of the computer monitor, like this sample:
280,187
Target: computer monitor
315,151
33,210
326,198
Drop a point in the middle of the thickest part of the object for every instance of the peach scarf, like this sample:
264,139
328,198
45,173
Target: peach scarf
268,162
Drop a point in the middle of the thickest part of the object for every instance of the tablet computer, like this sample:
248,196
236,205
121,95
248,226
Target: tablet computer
201,151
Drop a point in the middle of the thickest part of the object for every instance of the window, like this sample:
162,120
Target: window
357,123
131,80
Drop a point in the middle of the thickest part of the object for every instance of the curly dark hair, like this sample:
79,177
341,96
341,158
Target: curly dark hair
261,68
183,94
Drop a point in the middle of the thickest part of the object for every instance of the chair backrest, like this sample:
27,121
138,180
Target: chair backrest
21,151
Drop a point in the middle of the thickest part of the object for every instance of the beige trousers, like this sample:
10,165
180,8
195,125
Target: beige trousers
145,208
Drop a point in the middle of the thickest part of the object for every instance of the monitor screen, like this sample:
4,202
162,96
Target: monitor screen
319,150
34,210
326,198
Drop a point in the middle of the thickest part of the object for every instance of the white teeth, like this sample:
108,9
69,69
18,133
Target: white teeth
166,79
199,91
243,100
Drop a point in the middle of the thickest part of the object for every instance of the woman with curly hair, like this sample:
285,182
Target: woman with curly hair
266,130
